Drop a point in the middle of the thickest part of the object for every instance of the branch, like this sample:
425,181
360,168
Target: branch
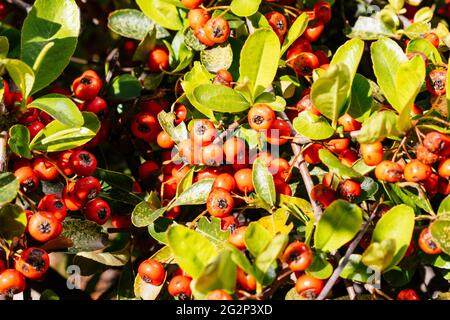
21,4
301,164
330,283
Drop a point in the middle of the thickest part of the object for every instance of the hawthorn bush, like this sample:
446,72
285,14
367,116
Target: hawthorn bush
165,149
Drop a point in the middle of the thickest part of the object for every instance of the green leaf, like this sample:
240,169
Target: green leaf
220,98
409,80
162,12
91,260
295,31
125,86
146,291
448,95
416,201
49,294
58,137
115,179
9,186
61,108
13,219
145,213
244,8
270,254
263,181
259,60
424,14
350,54
186,181
320,268
4,47
330,92
195,194
417,29
146,45
21,74
256,238
213,231
192,251
336,166
340,222
125,285
19,140
217,58
277,103
134,24
276,222
444,207
241,260
158,229
85,235
440,232
361,99
192,79
52,23
387,57
313,126
355,270
182,54
425,47
176,133
219,274
378,126
378,256
370,28
396,224
398,277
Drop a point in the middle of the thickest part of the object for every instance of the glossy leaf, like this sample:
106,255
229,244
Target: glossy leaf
295,31
263,181
276,222
217,58
439,230
396,224
146,291
330,92
259,61
212,230
220,98
195,194
58,137
162,12
146,45
355,270
336,166
176,133
244,8
425,47
19,140
320,268
350,54
61,108
219,274
256,238
340,222
158,229
378,126
9,186
272,251
49,38
444,207
22,75
313,126
197,76
379,255
125,86
387,57
361,98
192,251
13,221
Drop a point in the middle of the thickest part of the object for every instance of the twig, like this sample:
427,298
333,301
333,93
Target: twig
21,4
301,165
3,151
330,283
285,273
